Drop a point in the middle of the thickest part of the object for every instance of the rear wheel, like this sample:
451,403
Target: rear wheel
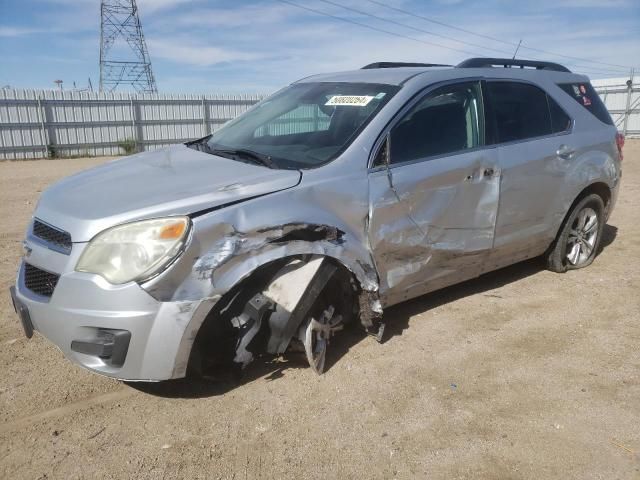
579,238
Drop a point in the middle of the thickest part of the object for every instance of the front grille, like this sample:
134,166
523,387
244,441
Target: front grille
39,281
58,239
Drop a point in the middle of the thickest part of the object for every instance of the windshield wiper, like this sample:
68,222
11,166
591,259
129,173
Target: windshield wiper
200,144
256,157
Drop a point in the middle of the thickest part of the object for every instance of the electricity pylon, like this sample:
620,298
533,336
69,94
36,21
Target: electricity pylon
124,59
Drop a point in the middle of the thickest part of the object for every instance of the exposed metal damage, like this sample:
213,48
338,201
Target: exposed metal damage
295,303
282,313
291,287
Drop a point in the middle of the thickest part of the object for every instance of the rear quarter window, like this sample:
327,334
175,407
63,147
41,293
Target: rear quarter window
560,121
585,95
521,111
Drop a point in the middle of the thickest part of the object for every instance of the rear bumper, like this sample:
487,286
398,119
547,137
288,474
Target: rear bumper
116,330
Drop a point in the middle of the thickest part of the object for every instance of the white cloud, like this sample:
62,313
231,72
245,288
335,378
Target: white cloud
17,31
145,6
152,6
237,16
300,44
260,45
591,3
187,52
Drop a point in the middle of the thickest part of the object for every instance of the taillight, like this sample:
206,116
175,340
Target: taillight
620,143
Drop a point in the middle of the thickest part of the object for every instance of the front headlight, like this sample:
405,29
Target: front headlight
135,251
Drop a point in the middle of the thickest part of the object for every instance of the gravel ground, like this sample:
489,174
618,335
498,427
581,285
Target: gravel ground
521,373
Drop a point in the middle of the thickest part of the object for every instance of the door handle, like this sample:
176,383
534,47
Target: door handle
488,172
564,151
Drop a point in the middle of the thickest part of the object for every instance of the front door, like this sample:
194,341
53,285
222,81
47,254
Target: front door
434,192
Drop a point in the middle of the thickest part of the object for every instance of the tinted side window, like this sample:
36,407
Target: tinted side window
585,95
520,111
560,121
447,120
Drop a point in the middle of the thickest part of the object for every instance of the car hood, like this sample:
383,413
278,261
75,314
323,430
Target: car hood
173,181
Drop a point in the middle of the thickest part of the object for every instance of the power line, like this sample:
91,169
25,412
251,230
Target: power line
382,19
354,22
437,22
590,70
488,37
583,69
622,67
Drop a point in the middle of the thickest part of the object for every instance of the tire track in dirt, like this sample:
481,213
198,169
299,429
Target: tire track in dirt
66,409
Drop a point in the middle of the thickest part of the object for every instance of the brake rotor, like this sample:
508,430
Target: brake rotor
316,338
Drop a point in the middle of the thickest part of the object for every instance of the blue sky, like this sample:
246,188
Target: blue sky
199,46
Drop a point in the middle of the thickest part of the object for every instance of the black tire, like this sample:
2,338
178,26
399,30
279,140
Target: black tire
556,257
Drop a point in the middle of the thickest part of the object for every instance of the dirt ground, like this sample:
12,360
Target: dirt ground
521,373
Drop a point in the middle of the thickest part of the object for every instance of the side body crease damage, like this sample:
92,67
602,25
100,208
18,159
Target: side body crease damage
262,281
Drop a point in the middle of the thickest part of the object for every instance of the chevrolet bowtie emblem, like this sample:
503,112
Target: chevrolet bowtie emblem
26,250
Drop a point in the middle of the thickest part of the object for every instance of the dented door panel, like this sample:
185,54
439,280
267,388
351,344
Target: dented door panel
435,225
533,177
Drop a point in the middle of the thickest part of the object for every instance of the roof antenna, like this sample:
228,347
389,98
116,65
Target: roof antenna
517,48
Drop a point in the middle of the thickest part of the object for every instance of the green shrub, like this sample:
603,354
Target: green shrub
128,146
52,151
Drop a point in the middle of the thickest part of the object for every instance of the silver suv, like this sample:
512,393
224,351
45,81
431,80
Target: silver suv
334,198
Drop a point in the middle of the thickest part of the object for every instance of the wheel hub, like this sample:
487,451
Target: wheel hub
316,337
582,237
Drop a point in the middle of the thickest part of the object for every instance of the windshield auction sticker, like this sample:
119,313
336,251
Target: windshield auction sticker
349,100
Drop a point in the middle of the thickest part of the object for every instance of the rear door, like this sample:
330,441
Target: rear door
433,209
534,139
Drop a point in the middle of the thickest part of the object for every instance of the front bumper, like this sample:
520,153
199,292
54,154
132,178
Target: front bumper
86,317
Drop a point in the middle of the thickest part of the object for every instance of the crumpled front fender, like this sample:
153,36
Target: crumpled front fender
229,245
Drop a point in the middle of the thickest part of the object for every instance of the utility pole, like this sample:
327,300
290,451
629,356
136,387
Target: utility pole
627,110
124,58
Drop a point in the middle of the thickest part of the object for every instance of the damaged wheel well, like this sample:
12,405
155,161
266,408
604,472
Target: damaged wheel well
216,341
599,188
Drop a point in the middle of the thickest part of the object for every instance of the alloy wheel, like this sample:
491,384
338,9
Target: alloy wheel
582,237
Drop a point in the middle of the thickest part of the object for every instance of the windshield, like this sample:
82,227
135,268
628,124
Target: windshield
302,126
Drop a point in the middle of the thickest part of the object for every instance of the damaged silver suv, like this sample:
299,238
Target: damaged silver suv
332,199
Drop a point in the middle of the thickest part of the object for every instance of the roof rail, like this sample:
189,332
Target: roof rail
401,64
510,63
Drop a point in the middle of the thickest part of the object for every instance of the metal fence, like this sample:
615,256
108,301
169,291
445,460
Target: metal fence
622,98
36,124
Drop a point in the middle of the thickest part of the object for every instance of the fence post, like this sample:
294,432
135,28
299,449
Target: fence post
205,118
43,128
134,128
627,110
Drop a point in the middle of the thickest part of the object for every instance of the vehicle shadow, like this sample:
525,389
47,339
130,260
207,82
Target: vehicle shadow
222,382
609,234
396,319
